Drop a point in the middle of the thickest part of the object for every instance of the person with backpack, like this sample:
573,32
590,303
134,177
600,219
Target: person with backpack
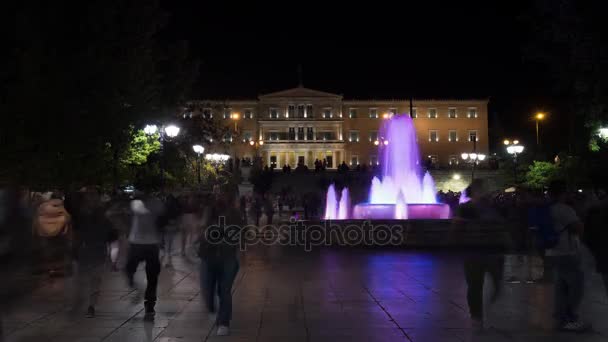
53,236
218,253
562,246
144,242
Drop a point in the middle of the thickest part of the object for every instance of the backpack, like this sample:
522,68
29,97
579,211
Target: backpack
540,221
51,219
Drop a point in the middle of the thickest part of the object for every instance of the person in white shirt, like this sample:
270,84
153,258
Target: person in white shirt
569,277
144,241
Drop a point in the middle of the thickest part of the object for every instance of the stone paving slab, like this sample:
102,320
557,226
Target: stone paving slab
286,294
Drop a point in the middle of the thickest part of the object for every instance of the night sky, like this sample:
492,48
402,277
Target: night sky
430,50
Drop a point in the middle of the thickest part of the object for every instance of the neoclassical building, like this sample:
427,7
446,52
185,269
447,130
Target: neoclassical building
300,125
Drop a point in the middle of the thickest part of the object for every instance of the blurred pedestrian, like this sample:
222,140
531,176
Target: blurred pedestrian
144,241
219,258
169,224
483,260
269,208
190,221
596,237
566,258
53,236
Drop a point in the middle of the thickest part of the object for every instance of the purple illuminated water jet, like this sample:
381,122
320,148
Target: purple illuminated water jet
402,179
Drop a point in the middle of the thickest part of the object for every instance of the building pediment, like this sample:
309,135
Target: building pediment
300,92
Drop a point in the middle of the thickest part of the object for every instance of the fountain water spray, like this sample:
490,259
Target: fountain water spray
402,179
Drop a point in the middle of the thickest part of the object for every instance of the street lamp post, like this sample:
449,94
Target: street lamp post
513,148
256,145
170,131
235,117
474,159
198,149
538,117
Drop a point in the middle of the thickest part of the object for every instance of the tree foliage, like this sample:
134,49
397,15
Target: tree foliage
540,174
78,76
139,148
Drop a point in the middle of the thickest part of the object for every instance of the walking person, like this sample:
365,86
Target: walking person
118,214
566,258
482,260
91,260
596,237
190,221
219,257
269,208
169,225
144,241
257,209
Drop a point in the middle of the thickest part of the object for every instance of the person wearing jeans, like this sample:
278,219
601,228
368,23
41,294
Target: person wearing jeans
218,252
149,254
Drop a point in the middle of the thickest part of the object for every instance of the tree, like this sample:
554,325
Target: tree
79,76
540,174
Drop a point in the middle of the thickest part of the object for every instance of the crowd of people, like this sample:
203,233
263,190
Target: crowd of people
555,225
78,232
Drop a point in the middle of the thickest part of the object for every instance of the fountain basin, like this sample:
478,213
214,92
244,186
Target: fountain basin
414,211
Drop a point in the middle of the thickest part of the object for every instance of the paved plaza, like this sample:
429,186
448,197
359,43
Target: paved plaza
286,294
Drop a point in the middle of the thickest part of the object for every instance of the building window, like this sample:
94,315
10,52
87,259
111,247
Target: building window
227,137
247,135
291,111
373,113
227,112
207,113
273,162
432,113
373,160
353,136
433,135
352,113
274,113
327,113
292,133
273,136
248,114
373,136
472,112
300,111
354,160
326,136
300,133
473,136
309,113
452,136
453,160
392,111
309,133
452,113
414,113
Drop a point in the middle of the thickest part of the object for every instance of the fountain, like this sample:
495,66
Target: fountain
403,192
344,205
331,204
